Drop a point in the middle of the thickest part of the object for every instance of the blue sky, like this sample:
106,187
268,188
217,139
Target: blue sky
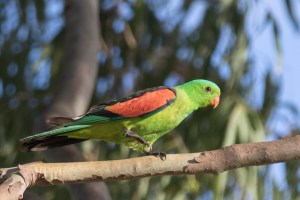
286,67
290,41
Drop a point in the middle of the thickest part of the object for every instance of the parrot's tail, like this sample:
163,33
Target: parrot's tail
51,139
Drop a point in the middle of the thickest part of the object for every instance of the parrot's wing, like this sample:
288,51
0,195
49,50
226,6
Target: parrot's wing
140,104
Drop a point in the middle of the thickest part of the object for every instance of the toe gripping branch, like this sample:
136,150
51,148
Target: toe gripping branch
161,155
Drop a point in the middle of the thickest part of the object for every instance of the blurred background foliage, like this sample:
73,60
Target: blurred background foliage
145,44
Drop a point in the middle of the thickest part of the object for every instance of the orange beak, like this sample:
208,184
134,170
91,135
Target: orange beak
215,101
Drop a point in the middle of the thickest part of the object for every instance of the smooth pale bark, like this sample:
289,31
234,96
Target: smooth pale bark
217,161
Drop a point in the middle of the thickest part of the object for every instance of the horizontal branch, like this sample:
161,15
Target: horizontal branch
217,161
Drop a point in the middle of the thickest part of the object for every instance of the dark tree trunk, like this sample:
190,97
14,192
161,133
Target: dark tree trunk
76,84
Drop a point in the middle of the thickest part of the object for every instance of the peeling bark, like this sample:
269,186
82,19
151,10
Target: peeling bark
217,161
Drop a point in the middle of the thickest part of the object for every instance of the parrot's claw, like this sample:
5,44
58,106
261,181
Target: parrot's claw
138,138
161,155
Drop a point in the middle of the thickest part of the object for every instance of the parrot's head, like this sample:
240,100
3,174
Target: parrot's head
203,92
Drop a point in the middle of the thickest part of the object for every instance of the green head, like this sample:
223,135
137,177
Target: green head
202,92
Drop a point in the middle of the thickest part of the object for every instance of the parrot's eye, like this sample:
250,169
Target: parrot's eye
207,89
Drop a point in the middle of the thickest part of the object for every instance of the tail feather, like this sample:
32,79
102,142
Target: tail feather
48,143
51,139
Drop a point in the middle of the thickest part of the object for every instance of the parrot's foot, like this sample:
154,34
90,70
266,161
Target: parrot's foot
138,138
161,155
148,147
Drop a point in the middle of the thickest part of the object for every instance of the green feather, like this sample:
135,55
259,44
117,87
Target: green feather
92,119
56,131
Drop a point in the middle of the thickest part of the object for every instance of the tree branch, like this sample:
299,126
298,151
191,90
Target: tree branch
217,161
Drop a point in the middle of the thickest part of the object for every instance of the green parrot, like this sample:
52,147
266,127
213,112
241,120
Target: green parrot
136,121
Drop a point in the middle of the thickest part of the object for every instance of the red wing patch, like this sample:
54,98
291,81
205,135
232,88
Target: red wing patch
141,105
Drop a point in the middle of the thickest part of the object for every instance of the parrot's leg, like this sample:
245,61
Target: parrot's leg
137,138
141,140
